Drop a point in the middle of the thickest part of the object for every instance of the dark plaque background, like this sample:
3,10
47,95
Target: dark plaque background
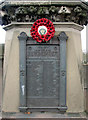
43,75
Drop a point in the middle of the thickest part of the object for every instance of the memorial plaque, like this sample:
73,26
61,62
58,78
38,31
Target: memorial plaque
42,75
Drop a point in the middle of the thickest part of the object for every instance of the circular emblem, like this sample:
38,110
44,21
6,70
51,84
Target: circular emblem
42,30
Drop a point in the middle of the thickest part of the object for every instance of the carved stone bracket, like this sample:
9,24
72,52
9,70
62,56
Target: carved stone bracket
58,13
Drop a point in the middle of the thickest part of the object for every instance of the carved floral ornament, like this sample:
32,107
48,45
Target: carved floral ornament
74,14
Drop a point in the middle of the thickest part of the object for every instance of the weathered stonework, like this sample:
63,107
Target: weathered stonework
57,12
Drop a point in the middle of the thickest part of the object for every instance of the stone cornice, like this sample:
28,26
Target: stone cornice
44,2
57,25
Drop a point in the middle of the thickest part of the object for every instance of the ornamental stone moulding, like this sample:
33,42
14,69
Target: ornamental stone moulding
56,12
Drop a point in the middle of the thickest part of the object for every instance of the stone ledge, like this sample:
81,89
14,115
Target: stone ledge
44,116
56,24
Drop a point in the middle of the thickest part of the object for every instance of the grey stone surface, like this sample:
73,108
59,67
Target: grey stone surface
45,1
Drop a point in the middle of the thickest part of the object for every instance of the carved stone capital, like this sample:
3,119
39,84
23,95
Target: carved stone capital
23,36
63,36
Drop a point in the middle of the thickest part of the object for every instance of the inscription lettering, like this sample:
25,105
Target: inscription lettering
38,51
43,73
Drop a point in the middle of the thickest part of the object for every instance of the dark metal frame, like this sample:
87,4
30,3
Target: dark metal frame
62,38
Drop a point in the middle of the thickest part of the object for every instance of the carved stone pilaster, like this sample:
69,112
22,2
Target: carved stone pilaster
63,38
22,39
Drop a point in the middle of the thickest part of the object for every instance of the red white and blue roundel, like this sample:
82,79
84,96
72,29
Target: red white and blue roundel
42,30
